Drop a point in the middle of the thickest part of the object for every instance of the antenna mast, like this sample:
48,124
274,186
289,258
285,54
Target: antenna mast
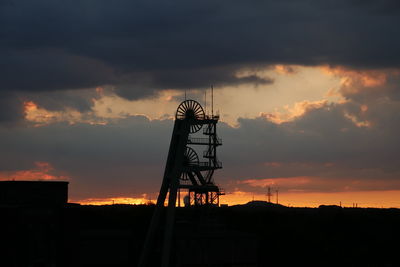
212,100
205,102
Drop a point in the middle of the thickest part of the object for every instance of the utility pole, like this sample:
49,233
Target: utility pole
277,196
269,194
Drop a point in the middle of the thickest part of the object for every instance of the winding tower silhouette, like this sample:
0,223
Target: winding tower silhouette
196,176
184,170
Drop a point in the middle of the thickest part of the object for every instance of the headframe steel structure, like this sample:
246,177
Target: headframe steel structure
184,170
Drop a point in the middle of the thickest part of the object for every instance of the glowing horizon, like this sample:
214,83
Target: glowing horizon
362,199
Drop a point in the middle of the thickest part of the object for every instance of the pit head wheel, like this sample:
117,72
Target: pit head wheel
190,158
191,110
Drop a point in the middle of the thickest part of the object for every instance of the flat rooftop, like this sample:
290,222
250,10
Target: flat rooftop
33,192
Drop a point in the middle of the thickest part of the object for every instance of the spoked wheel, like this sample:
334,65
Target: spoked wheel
192,110
190,158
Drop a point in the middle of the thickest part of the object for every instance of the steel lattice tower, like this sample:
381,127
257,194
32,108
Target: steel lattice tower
185,171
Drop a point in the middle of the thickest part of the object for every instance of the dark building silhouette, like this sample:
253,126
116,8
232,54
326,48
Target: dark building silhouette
33,192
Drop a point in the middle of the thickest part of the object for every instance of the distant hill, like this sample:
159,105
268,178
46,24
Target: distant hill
260,204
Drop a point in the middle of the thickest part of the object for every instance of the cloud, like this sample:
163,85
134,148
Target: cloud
298,110
126,157
41,171
139,47
37,116
185,79
11,109
79,100
352,144
49,69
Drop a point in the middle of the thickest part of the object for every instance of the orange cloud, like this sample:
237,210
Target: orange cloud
291,113
42,117
43,171
357,122
366,78
285,69
356,81
35,114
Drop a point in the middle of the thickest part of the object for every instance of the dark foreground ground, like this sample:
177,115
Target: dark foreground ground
253,235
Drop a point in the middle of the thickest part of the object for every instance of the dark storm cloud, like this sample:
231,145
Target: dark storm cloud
150,45
11,108
185,79
50,69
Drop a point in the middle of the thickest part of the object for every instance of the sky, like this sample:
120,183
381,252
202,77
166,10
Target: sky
307,91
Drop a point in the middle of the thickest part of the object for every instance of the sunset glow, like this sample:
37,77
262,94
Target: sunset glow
363,199
313,111
42,171
114,200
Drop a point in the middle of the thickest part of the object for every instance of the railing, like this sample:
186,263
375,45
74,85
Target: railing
203,164
218,164
198,117
204,141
